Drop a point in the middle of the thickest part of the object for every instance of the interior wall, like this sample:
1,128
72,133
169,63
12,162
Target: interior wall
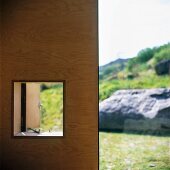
0,91
52,40
17,108
32,105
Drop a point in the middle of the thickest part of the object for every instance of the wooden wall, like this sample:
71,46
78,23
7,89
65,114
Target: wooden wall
52,40
32,105
17,108
0,90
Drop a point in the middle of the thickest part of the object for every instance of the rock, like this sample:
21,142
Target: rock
152,165
163,67
146,110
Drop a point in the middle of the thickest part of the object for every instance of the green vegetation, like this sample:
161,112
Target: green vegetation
120,151
137,72
150,80
52,107
133,152
163,54
111,69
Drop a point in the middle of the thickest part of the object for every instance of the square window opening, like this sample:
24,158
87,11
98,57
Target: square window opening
38,108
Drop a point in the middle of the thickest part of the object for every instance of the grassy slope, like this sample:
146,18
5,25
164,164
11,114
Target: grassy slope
52,111
106,88
112,68
112,77
133,152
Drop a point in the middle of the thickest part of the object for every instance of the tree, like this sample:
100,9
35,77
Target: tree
145,55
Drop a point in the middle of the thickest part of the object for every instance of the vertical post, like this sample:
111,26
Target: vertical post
32,105
23,107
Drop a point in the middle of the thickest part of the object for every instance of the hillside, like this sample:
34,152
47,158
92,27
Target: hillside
52,107
137,72
111,69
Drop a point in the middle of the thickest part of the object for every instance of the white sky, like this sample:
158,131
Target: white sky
127,26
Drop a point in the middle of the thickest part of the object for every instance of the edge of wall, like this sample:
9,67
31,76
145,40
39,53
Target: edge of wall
0,91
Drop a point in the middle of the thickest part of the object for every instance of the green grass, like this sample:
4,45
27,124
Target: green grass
119,151
147,80
52,108
136,73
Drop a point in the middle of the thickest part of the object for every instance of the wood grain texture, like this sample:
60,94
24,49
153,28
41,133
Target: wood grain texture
52,40
0,88
17,108
32,105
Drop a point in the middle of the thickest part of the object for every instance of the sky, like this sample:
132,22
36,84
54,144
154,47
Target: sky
127,26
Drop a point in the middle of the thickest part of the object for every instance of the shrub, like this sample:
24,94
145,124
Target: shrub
162,55
145,55
43,87
121,75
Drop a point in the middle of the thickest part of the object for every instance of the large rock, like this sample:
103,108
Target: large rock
145,110
163,67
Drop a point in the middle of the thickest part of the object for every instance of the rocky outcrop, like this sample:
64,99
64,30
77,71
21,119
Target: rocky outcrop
144,110
163,67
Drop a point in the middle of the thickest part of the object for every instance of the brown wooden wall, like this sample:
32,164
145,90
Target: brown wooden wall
0,90
32,105
50,40
17,108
